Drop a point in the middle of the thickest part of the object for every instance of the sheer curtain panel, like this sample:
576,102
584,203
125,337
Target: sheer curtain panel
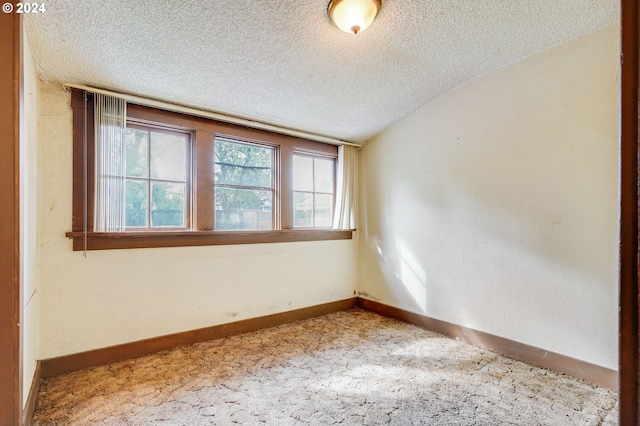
346,188
110,127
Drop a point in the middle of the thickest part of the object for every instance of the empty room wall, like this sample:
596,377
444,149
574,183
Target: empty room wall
118,296
495,207
29,274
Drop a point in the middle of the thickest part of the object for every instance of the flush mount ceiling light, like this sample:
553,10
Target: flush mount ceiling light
353,16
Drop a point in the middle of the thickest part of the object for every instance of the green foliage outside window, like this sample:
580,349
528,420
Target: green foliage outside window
244,185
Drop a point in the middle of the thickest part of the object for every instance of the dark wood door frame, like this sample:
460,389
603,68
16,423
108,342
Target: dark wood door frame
629,351
10,362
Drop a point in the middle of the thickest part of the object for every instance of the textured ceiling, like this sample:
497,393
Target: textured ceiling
283,62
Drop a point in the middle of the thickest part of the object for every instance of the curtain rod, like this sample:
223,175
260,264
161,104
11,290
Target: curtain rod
213,115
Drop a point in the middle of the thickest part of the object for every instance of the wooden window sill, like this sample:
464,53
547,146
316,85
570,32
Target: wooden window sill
127,240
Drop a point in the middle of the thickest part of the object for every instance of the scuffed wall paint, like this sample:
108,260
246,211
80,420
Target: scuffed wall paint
118,296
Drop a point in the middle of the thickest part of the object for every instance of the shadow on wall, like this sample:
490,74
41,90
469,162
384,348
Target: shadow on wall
502,193
408,280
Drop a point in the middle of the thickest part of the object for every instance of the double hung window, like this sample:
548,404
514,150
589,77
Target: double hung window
313,191
195,181
244,185
156,178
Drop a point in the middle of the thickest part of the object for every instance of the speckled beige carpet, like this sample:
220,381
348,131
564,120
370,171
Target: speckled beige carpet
349,368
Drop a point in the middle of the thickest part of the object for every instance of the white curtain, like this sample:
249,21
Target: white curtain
110,133
344,216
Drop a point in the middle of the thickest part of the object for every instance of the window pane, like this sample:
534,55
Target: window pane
243,164
323,206
169,156
137,196
168,204
302,209
243,209
323,175
302,173
137,159
246,175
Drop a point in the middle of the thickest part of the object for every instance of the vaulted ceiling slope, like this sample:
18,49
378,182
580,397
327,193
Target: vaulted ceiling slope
283,62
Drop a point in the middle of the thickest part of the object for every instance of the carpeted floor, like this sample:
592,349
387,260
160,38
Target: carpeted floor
349,368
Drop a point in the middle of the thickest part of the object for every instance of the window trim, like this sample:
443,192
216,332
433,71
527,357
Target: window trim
203,132
140,239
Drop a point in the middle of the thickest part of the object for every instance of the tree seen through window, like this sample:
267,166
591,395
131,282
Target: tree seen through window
244,185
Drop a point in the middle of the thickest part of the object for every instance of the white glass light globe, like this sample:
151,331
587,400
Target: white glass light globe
353,16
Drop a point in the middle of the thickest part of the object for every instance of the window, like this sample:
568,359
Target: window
156,171
195,181
244,185
313,189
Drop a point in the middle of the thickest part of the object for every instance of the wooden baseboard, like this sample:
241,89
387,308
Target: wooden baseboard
68,363
520,351
30,406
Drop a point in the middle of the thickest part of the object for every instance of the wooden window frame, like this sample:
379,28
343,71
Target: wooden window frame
203,131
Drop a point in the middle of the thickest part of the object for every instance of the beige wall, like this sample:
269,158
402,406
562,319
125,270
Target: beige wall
496,206
118,296
28,218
